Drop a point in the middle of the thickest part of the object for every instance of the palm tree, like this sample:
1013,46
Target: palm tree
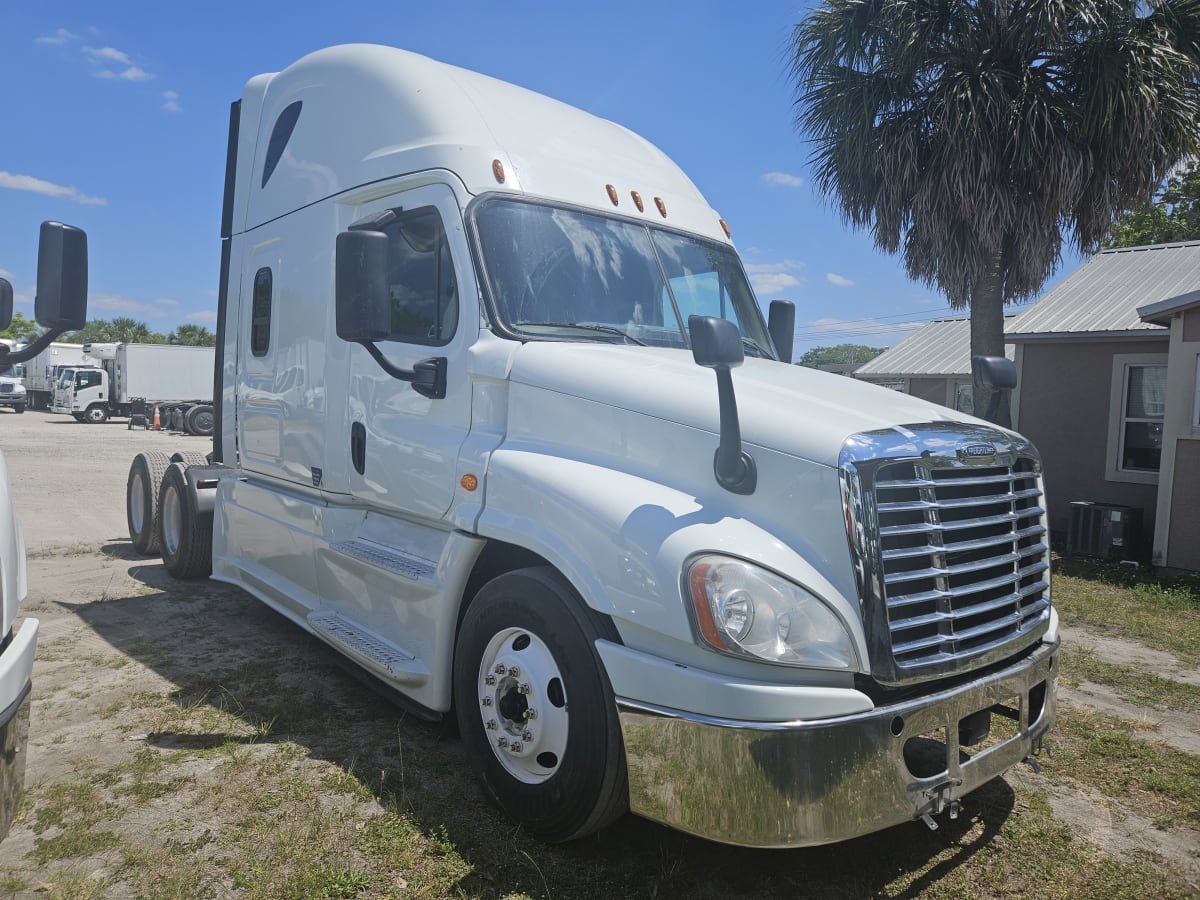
193,335
972,136
130,331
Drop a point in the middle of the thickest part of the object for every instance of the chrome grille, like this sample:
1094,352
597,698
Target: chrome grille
951,551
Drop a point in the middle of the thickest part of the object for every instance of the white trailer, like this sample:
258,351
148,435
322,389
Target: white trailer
170,376
468,436
61,305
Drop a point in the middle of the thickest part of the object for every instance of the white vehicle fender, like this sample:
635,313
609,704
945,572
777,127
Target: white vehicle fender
622,540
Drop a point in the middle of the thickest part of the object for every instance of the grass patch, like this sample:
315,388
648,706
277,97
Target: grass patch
1133,604
1134,685
1106,754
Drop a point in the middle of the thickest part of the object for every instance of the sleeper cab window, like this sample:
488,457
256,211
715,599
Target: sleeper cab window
280,135
420,278
260,313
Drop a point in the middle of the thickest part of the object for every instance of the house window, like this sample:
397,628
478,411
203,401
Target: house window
1138,403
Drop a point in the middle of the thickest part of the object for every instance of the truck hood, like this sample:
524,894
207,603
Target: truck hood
788,408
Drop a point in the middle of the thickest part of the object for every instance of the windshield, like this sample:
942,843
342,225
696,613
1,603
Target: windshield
572,275
66,379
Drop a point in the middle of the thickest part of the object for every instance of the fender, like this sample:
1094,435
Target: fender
622,540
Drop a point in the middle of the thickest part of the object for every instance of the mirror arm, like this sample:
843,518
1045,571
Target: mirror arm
12,357
427,377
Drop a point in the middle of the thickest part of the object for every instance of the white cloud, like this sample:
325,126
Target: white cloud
124,70
172,102
873,332
782,179
108,54
60,36
49,189
4,273
206,315
115,303
773,278
839,280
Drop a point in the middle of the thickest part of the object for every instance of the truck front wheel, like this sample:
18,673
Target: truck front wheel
141,499
96,414
535,708
184,533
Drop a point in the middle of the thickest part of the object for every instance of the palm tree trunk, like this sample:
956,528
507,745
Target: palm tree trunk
987,337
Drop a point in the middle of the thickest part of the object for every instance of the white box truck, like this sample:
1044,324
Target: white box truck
61,305
467,434
164,375
42,372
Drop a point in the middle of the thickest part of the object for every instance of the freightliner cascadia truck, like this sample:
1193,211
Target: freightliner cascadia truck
60,305
499,418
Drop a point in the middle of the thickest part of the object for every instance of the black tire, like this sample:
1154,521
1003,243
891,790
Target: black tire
566,777
19,408
77,416
96,414
190,457
184,534
176,418
199,420
141,499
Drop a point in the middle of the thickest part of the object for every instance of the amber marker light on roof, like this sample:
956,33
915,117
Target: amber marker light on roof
469,482
498,170
725,228
637,200
662,207
612,193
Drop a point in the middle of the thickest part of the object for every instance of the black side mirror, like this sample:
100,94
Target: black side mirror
61,303
717,345
363,305
781,323
998,373
6,303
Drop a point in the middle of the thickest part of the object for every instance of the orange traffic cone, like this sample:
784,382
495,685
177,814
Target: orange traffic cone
157,426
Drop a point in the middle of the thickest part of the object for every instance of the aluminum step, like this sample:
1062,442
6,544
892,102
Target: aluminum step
369,650
388,558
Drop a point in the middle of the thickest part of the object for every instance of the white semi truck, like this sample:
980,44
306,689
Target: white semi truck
468,435
61,305
167,375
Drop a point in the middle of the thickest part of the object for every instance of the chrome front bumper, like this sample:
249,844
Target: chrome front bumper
796,784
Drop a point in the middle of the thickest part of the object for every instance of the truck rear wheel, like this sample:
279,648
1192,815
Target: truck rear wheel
526,646
184,533
190,457
141,499
96,414
199,420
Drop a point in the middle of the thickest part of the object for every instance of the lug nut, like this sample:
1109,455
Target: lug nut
514,671
523,688
500,670
516,747
530,714
502,743
491,725
489,680
486,701
527,735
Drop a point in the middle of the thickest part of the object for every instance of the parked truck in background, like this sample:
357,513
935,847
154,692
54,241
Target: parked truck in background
171,376
13,392
467,434
61,305
42,372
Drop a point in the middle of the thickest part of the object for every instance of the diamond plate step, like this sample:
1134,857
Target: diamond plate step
388,558
368,649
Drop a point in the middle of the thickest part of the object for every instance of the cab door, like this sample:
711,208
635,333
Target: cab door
403,447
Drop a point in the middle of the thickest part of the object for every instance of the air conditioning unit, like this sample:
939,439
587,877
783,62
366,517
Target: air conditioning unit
1106,530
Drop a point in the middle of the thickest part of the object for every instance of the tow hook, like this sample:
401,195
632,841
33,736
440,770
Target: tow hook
954,809
1031,759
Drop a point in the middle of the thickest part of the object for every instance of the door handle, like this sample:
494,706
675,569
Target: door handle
358,447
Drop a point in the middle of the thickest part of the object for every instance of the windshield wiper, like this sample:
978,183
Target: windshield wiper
751,344
602,329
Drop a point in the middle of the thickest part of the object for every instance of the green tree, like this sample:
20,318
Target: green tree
971,136
94,331
193,335
131,331
1173,215
21,329
842,354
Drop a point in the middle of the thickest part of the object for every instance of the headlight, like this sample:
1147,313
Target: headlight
743,610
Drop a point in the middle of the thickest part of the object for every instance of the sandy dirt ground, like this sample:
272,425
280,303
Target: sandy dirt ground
118,636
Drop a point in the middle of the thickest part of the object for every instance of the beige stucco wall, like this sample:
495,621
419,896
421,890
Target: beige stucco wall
1064,408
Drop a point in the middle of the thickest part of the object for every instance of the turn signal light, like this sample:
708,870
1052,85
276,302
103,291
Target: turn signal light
498,170
612,194
469,482
662,207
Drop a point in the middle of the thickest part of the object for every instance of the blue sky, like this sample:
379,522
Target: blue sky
115,120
